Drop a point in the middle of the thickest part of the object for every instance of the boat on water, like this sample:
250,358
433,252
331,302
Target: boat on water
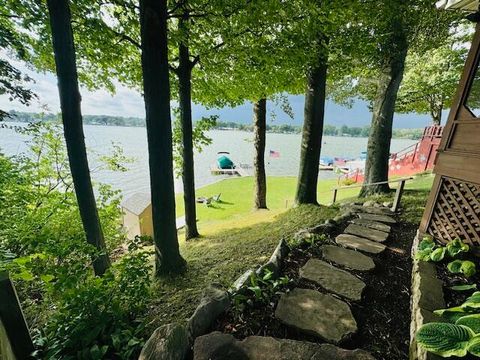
226,166
342,164
326,164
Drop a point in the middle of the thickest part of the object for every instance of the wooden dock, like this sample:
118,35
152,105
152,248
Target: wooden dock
240,170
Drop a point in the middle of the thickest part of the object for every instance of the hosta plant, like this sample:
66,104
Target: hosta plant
457,337
445,339
456,247
464,267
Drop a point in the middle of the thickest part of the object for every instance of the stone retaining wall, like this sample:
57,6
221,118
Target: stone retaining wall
427,296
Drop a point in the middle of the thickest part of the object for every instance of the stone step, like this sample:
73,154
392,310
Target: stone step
332,279
371,210
358,243
372,224
367,233
218,346
380,218
316,314
351,259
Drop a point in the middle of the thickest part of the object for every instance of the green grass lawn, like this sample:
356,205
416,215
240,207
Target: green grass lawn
236,203
235,238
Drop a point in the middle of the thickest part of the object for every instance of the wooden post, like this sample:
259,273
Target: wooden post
398,196
15,341
334,195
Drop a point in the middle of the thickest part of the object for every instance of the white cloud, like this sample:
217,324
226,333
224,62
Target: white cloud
126,102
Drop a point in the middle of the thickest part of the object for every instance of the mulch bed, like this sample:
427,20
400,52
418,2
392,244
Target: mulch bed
383,315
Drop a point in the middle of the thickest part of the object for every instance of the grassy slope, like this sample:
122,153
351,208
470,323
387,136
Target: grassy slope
235,238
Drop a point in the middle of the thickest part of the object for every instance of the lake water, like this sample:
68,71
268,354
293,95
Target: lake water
238,143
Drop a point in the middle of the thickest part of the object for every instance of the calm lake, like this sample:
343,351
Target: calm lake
238,143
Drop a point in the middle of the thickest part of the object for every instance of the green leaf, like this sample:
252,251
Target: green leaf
423,255
468,268
47,278
474,346
465,287
470,321
427,238
25,275
473,301
456,247
438,254
454,266
451,314
444,339
426,244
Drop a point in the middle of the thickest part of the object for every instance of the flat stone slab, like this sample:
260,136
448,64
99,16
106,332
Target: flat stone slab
380,218
358,243
333,279
316,314
367,233
372,224
349,258
371,210
218,346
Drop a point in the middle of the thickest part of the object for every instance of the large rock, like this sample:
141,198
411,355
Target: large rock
214,302
333,279
380,218
242,280
348,258
218,346
358,243
316,314
366,233
168,342
372,225
276,260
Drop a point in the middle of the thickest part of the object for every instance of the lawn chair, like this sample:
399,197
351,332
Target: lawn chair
204,200
216,198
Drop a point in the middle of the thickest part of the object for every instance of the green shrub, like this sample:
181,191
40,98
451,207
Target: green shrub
72,313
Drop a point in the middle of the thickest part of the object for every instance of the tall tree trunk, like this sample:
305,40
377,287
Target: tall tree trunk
65,61
436,112
156,85
185,104
312,134
260,128
378,148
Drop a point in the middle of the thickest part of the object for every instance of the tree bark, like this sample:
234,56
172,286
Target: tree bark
156,85
436,112
260,128
65,61
185,103
312,133
378,148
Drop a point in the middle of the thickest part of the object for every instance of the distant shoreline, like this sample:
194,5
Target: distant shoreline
329,130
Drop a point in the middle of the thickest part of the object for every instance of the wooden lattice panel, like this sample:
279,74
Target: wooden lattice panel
456,212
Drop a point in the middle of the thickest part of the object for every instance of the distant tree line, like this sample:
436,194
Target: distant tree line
87,119
330,130
108,120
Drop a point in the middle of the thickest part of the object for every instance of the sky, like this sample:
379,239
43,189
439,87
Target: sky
129,103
